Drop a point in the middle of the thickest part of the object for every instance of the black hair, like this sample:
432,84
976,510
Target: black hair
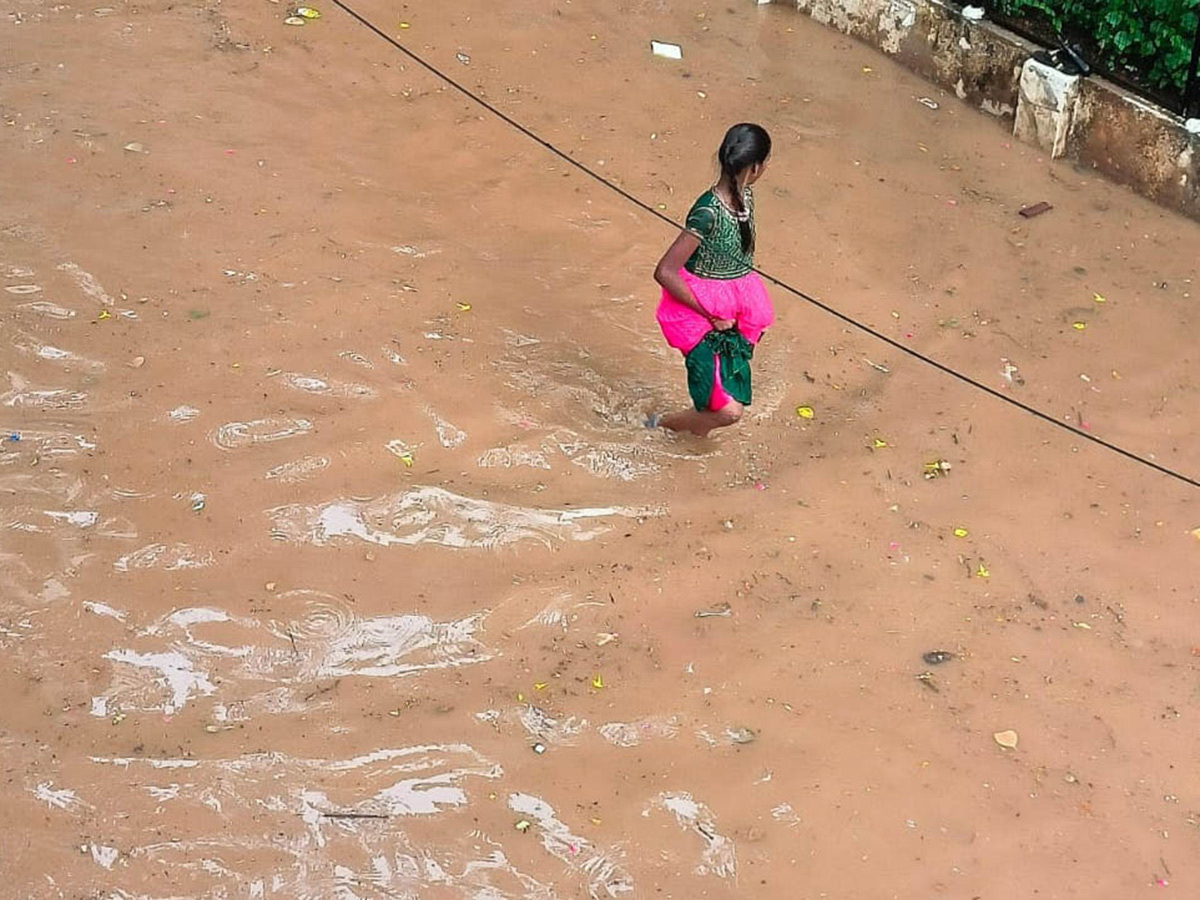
745,145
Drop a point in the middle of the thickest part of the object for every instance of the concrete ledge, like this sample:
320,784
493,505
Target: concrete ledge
1096,124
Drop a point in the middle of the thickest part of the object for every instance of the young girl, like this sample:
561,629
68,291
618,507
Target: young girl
714,307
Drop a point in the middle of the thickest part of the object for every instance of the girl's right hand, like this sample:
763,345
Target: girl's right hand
723,324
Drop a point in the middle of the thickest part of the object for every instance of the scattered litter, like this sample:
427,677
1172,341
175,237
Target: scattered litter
401,451
404,26
137,362
877,367
665,50
607,637
867,70
805,412
983,571
1195,532
14,438
198,501
1099,298
961,532
1007,739
295,20
462,58
878,444
972,13
937,469
1032,212
926,679
932,104
721,610
937,657
104,314
1010,374
1084,625
539,748
308,12
598,682
463,307
136,147
1079,326
523,826
1192,126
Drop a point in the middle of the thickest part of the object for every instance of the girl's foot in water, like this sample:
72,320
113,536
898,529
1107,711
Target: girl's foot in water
701,423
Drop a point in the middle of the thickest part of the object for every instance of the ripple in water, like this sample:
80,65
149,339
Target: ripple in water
236,435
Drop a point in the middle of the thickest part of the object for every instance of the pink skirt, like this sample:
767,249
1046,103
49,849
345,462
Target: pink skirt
743,300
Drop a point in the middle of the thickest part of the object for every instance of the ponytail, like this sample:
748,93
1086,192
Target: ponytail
745,145
743,217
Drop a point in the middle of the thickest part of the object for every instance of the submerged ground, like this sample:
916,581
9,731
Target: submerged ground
334,558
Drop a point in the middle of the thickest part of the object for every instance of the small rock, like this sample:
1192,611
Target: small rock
270,587
1007,739
136,147
137,362
937,657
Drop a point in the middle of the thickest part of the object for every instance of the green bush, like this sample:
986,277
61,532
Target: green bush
1151,38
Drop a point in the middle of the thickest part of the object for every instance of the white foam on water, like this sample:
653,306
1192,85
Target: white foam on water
631,734
393,357
312,384
353,356
22,396
181,414
449,436
175,672
557,613
605,875
103,609
539,724
49,310
7,271
408,250
297,470
785,814
387,646
172,558
29,345
126,762
50,440
719,856
103,856
512,457
79,518
270,667
436,516
614,461
87,283
62,798
163,794
236,435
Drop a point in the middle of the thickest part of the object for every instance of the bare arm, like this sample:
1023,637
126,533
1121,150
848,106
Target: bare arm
666,273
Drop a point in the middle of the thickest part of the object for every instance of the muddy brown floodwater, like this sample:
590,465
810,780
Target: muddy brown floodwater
335,561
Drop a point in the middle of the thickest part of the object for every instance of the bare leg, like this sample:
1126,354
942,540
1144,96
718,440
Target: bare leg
701,423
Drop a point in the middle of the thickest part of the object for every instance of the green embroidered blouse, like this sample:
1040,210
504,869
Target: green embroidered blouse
720,255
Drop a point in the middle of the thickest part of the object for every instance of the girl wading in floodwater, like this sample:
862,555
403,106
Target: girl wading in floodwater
714,307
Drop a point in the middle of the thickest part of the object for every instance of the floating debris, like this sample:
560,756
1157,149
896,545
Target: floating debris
1006,739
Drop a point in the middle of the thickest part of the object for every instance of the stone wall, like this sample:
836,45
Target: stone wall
1090,121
